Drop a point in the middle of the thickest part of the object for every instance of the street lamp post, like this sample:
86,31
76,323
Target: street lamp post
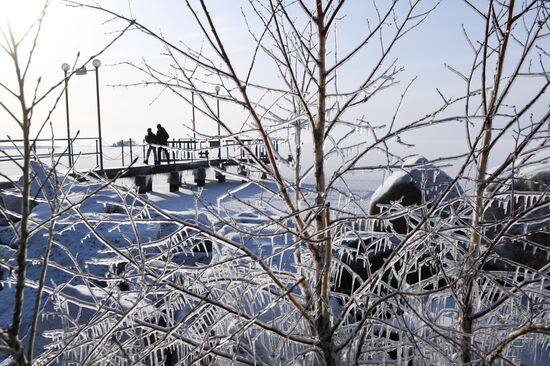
65,67
218,116
193,116
96,63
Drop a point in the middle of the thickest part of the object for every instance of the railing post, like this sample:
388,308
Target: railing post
96,152
131,152
173,152
122,154
96,64
65,68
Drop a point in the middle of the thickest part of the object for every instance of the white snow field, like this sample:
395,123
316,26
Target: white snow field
99,229
208,276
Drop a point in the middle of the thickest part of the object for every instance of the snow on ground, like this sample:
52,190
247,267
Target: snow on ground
99,229
73,250
93,233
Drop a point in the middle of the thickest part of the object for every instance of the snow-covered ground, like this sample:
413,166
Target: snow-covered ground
145,278
99,230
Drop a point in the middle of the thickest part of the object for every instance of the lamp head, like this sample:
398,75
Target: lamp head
96,63
217,89
65,67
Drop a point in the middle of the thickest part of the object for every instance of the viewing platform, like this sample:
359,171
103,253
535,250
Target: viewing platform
126,158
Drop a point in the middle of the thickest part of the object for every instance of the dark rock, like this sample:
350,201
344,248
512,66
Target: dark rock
526,242
202,246
115,209
408,195
394,338
416,183
360,262
368,258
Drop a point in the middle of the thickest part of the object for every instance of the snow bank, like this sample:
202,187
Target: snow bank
86,235
45,182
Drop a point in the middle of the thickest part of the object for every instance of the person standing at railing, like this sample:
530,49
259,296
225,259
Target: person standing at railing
162,140
151,139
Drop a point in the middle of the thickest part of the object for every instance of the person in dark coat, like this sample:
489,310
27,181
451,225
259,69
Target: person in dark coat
162,139
151,139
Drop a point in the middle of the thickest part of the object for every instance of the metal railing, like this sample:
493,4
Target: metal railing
123,153
214,149
50,150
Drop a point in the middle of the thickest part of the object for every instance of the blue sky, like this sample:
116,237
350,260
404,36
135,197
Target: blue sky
68,31
128,111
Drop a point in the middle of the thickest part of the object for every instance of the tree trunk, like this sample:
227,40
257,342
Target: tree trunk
489,109
323,246
25,212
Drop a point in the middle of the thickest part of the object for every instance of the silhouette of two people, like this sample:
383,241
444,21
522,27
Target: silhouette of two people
156,143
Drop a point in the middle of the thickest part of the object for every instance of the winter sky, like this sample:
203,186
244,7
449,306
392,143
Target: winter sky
128,111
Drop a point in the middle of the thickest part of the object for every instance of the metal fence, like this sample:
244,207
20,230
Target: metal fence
44,148
84,152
